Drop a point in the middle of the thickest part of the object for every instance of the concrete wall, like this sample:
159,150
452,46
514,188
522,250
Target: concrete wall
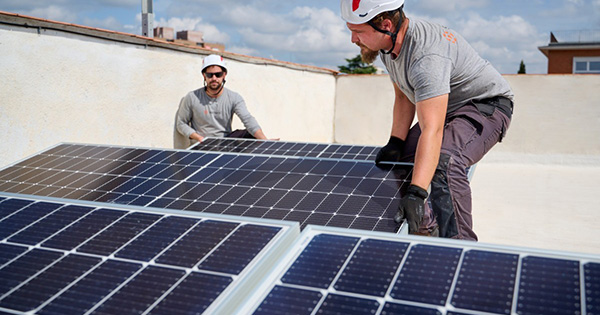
554,114
63,87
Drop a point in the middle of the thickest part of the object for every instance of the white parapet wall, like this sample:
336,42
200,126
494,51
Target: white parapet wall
554,114
64,83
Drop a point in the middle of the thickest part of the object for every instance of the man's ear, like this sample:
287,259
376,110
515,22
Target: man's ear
387,25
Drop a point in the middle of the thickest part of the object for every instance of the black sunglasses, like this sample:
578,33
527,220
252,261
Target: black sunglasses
211,74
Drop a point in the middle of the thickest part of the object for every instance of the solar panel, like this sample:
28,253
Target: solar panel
331,270
61,257
342,193
286,148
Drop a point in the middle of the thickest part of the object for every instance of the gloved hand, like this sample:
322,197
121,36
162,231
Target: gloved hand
392,151
412,207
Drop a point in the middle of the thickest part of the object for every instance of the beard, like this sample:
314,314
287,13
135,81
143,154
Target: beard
367,55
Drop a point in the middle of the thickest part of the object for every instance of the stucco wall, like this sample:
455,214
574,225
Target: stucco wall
62,87
554,114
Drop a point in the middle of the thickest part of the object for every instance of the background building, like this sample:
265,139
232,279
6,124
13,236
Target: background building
573,52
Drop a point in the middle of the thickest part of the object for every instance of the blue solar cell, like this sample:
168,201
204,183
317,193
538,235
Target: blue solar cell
193,295
19,270
341,304
121,232
396,308
353,205
371,269
83,229
222,160
340,220
592,287
427,274
32,294
196,244
486,282
251,196
320,262
271,198
153,241
9,252
215,193
347,185
232,195
239,249
141,292
310,202
49,225
91,289
24,217
10,206
161,188
287,181
307,183
284,300
364,223
549,286
331,203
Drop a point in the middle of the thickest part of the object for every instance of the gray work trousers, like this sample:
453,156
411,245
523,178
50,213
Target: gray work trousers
469,133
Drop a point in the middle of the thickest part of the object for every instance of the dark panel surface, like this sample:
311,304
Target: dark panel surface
330,187
356,273
59,258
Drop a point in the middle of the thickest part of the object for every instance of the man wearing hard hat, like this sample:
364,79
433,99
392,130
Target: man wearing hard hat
208,111
463,107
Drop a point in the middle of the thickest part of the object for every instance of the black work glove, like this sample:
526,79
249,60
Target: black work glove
412,207
391,152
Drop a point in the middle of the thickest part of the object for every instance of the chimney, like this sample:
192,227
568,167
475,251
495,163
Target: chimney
147,18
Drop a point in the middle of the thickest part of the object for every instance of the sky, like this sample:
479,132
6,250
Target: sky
312,32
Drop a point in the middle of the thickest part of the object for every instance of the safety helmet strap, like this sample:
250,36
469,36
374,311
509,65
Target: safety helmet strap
393,35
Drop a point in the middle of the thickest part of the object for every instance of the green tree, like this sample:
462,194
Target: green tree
357,66
522,68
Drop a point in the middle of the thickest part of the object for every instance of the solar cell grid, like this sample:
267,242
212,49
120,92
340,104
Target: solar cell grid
345,193
58,258
344,271
268,147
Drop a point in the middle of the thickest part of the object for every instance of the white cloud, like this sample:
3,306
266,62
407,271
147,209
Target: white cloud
243,50
109,23
315,29
210,32
55,13
504,41
448,6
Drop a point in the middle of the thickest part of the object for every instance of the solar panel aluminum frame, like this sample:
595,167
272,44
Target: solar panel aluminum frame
242,284
251,304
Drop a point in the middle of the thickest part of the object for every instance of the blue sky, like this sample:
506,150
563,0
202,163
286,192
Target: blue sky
311,31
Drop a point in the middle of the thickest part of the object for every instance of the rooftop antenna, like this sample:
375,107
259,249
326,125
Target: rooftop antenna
147,18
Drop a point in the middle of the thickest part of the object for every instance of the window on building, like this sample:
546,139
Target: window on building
586,65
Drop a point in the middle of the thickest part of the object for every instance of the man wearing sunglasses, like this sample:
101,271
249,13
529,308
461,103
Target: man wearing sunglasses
208,111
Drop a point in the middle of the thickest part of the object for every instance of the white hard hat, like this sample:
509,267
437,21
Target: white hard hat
362,11
213,60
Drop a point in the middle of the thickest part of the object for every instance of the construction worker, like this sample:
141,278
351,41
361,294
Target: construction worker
462,104
208,111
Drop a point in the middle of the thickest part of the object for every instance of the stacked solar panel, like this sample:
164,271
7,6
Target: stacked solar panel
348,272
342,193
58,258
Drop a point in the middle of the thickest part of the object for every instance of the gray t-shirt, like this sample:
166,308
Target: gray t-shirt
435,60
212,117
